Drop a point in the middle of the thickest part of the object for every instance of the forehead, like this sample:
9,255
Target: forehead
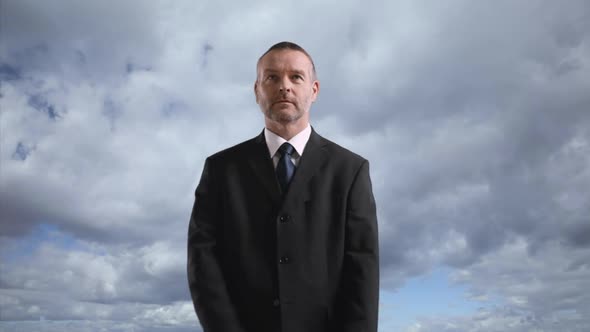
285,60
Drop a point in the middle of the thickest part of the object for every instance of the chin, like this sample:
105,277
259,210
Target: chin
284,115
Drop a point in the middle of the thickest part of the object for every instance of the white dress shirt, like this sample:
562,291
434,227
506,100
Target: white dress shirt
274,142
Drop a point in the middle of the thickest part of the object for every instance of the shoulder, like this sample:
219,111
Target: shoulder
236,152
342,161
341,154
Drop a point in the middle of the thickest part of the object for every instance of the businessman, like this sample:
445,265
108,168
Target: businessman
283,232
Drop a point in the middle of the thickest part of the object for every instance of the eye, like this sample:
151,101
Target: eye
297,77
271,77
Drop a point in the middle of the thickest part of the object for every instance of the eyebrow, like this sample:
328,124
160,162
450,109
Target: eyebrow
300,72
295,71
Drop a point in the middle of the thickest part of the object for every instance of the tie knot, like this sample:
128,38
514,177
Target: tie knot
287,149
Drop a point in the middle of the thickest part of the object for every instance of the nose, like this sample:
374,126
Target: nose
285,85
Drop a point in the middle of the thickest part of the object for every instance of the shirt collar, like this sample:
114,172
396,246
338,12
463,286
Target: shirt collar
274,141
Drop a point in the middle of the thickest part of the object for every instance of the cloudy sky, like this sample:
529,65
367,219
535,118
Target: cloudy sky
475,117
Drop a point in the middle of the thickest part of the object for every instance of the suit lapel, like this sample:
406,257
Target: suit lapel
261,163
313,157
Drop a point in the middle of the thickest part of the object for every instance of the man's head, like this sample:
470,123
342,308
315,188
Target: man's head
286,84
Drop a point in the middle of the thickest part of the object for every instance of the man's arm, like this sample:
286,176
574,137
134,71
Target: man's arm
207,285
357,304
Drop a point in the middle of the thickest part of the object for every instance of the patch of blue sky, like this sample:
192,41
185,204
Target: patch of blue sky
43,233
429,295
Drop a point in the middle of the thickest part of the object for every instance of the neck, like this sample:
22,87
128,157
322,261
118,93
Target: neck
286,130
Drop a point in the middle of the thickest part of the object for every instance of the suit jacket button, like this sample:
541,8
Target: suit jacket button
284,218
276,303
284,260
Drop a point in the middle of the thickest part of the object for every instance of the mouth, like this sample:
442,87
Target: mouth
283,101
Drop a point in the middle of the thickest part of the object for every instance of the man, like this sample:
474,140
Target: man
283,232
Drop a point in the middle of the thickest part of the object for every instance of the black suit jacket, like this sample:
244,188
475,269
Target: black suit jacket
302,261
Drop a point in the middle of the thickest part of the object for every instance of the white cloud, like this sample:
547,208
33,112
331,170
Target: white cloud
474,117
180,313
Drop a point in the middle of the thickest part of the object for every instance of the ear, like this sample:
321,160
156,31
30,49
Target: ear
256,90
315,88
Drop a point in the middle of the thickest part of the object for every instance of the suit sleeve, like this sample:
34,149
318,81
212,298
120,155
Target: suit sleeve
357,302
208,288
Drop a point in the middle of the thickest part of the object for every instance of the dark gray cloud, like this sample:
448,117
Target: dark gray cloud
474,117
75,40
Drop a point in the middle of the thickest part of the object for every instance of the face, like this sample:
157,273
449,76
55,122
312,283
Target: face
285,87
